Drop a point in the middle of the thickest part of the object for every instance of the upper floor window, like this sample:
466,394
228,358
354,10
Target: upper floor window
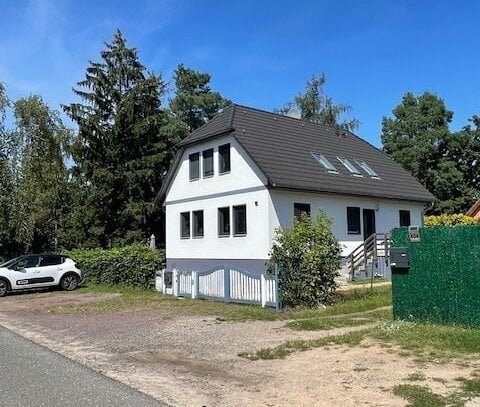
365,167
324,162
299,208
240,220
404,218
353,220
208,162
197,223
194,160
349,166
185,225
224,158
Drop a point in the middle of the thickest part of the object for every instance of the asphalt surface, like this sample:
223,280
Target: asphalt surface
33,376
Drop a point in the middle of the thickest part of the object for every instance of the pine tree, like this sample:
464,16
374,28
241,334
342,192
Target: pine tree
314,105
121,152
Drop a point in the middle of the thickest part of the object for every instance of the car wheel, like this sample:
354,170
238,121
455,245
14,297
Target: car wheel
3,288
69,282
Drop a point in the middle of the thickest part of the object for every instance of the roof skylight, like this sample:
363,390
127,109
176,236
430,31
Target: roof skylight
324,162
349,166
369,170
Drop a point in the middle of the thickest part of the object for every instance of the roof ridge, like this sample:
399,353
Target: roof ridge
289,117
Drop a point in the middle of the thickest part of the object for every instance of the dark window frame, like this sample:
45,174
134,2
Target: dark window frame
235,212
208,155
182,228
353,220
198,234
299,208
222,231
49,258
222,153
191,161
401,214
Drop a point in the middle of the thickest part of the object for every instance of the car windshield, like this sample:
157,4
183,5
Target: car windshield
10,262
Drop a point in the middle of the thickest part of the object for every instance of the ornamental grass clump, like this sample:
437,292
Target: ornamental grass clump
308,256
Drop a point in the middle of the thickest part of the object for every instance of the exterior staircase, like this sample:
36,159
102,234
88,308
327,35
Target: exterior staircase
369,259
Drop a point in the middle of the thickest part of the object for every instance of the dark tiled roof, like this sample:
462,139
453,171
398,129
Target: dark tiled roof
281,146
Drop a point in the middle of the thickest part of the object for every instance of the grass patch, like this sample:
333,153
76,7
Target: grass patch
431,341
419,396
415,377
356,300
471,387
283,350
317,324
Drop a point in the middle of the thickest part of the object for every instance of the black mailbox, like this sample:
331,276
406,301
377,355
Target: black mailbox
399,258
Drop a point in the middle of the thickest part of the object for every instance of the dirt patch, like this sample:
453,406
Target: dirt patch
42,300
192,361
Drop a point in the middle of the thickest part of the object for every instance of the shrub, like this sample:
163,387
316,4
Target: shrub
133,265
451,220
309,258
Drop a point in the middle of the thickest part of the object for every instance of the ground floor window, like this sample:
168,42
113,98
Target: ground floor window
224,221
353,220
299,208
185,225
240,220
404,218
197,223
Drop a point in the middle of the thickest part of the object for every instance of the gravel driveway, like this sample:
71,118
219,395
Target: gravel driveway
192,360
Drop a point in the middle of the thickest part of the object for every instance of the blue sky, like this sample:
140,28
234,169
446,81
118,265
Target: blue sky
260,53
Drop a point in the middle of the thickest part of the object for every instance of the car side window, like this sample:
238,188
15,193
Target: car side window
50,261
26,262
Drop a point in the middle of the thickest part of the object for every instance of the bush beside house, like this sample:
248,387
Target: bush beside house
451,220
133,265
309,258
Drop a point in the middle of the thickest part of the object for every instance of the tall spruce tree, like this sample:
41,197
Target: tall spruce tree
314,105
121,152
194,103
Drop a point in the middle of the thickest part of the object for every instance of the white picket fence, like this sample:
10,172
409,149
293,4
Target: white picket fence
224,283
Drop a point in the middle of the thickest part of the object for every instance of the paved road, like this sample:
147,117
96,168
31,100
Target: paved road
32,376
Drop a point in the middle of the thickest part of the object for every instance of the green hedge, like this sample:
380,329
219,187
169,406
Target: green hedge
133,265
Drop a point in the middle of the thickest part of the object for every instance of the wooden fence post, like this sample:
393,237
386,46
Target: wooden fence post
263,285
194,284
226,283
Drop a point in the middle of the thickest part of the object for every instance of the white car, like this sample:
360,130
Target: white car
39,270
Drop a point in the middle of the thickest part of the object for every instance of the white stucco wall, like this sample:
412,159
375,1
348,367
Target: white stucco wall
245,184
386,212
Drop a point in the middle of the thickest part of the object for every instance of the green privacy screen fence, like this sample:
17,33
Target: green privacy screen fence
443,281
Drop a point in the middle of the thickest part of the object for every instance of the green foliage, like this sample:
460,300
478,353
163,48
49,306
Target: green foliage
316,106
450,220
447,164
194,102
133,265
309,258
121,152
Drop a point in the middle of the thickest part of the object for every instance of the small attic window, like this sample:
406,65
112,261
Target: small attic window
365,167
349,166
325,163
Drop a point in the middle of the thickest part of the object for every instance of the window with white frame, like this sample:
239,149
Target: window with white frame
365,167
349,166
325,163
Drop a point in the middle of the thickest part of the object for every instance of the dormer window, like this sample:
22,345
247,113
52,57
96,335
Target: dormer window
365,167
349,166
325,163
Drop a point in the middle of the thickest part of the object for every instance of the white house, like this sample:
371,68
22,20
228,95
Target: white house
247,172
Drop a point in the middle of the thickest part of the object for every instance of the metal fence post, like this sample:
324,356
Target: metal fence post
263,285
277,288
194,284
226,283
175,283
